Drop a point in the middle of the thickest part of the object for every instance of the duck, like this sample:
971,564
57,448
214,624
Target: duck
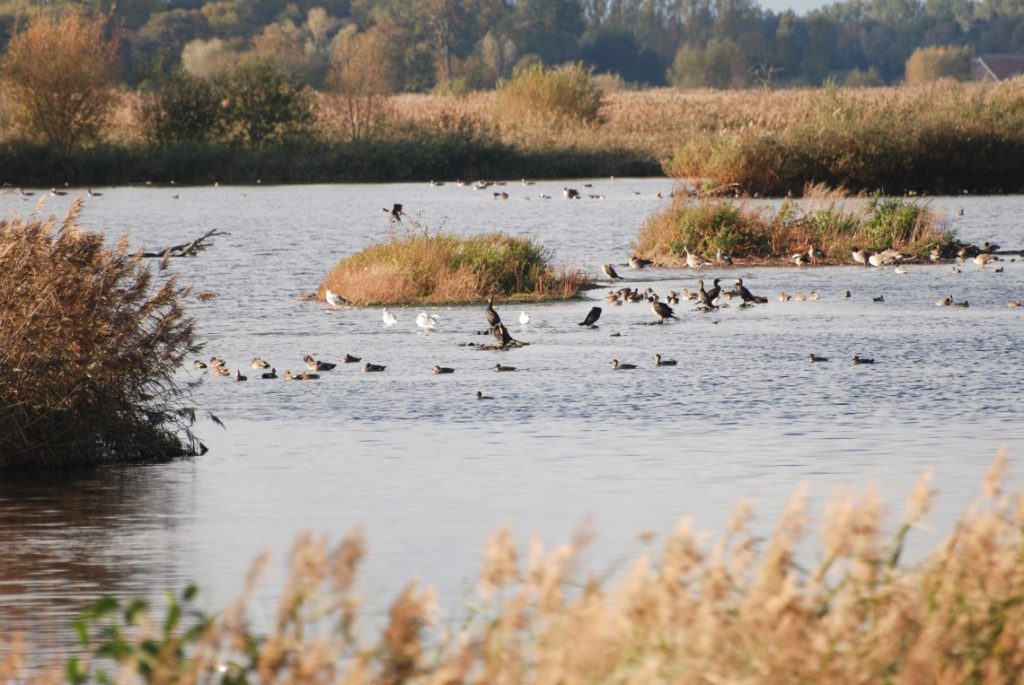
989,247
846,294
812,358
388,318
610,272
524,319
658,361
258,363
442,369
216,361
813,296
617,366
349,359
693,261
426,322
799,297
945,302
269,374
499,368
636,262
317,365
663,311
221,371
371,368
481,396
591,319
785,297
304,376
571,193
723,258
92,193
879,298
334,300
55,192
862,360
1014,303
239,376
198,364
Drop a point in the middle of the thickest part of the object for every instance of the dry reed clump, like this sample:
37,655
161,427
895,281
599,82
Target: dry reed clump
828,221
425,268
943,138
735,609
89,346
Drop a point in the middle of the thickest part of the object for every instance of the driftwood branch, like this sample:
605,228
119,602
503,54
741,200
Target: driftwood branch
189,249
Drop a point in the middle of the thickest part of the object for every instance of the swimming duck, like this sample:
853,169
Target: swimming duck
663,311
945,302
862,360
658,361
784,297
481,396
269,374
240,377
592,316
799,297
442,369
812,358
370,368
1014,303
317,365
198,364
813,296
388,318
636,262
426,322
349,359
524,319
610,271
334,299
846,294
571,193
900,270
880,298
216,361
258,363
500,369
221,371
617,366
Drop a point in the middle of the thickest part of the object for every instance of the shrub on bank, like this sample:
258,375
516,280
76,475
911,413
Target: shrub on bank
761,233
90,343
737,609
444,268
536,94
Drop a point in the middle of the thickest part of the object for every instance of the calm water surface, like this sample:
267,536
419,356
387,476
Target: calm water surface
430,471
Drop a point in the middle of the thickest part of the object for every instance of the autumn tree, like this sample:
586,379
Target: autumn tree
60,78
363,74
937,62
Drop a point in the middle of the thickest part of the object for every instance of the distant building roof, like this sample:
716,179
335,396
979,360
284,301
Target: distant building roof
997,67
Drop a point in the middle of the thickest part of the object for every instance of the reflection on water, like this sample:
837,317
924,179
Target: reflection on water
430,470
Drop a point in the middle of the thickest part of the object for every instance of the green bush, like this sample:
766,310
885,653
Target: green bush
185,108
565,95
263,104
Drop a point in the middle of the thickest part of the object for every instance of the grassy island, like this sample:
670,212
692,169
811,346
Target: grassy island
831,223
441,268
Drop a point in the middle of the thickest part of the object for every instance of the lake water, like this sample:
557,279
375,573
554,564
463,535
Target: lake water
430,471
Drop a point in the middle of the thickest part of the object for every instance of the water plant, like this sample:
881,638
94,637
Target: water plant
90,341
739,608
425,267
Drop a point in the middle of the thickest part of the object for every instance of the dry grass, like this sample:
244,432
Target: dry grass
441,268
90,341
828,221
736,609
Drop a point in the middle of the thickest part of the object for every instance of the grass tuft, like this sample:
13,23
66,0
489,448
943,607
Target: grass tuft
442,268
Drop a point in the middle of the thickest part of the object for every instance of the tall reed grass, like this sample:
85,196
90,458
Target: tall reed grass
736,609
422,267
90,341
829,221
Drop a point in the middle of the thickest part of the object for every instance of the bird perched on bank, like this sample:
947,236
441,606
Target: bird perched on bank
524,319
334,299
618,367
610,272
639,262
317,365
500,369
862,360
801,259
860,256
426,321
395,212
658,361
694,261
812,358
723,258
443,369
388,318
663,311
592,316
370,368
501,335
746,296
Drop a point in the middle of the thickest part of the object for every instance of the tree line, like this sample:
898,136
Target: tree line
459,45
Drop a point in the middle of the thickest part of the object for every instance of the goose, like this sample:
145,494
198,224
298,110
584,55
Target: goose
334,299
500,369
693,261
492,316
663,311
723,258
198,364
801,259
370,368
812,358
317,365
481,396
349,359
945,302
389,318
658,361
1014,303
639,262
426,321
610,272
860,256
862,360
524,319
592,316
983,258
442,369
239,376
813,296
269,374
395,212
624,367
258,363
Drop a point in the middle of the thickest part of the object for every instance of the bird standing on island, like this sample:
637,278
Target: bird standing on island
592,316
492,316
334,299
663,311
610,272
